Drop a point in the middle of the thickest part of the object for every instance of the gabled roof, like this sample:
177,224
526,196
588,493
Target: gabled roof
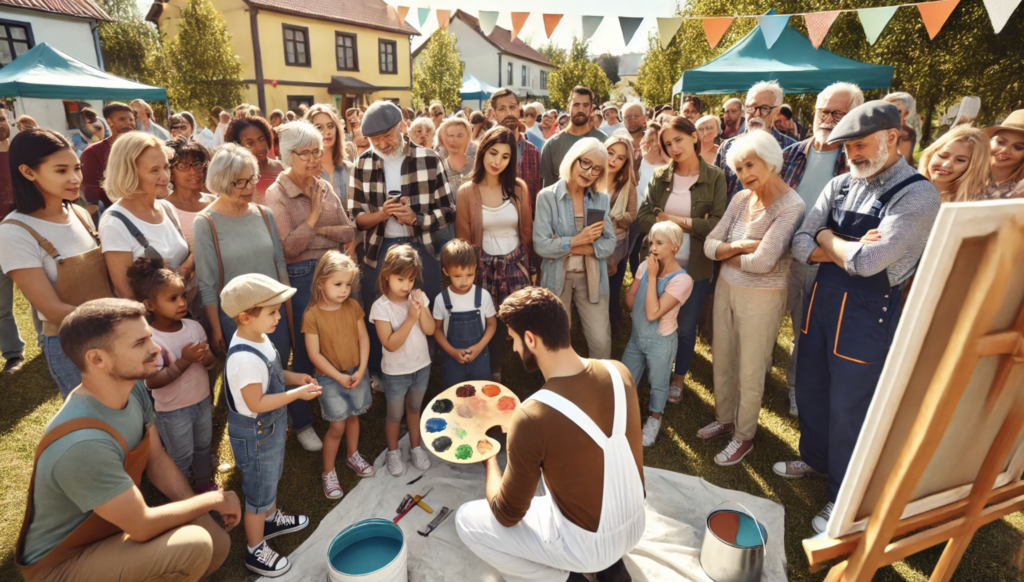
76,8
501,39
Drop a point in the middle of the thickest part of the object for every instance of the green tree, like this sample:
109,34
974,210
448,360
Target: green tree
577,70
438,76
557,55
659,70
206,72
609,63
130,46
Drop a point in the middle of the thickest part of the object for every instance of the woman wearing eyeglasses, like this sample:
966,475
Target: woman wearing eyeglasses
311,218
233,237
255,134
573,234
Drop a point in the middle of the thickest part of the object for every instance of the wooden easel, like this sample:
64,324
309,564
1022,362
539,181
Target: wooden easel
957,522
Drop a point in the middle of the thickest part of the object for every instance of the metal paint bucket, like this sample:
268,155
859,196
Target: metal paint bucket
372,550
734,544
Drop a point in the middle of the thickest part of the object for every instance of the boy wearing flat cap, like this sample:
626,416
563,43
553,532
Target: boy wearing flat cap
867,232
257,400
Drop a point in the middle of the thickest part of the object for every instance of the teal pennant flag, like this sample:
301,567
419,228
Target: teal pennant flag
629,25
874,20
424,13
772,27
488,20
590,24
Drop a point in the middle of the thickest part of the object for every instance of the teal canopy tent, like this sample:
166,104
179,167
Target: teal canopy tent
474,89
47,73
792,61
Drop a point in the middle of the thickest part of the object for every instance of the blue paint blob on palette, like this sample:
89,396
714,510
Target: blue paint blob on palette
436,424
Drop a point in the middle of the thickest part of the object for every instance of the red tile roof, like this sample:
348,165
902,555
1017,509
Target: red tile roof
76,8
502,39
366,13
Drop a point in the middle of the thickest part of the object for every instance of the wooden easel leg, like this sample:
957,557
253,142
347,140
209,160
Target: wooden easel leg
835,573
951,556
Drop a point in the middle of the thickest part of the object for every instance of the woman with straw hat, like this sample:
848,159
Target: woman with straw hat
1007,143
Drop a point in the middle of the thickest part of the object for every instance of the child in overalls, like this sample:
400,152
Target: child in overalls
257,415
655,307
460,313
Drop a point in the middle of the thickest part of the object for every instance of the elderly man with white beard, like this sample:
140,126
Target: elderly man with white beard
807,167
866,232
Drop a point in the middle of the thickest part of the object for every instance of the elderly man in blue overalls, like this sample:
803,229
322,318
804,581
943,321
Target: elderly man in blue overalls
867,232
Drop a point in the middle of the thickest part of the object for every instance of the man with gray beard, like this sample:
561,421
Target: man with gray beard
866,232
807,167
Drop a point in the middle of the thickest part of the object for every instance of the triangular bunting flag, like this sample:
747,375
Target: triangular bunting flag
487,21
551,22
443,18
874,20
772,27
667,28
999,12
714,29
518,21
629,24
403,11
423,14
935,14
590,24
818,24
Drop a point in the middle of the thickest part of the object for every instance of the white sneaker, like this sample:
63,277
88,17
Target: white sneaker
792,402
820,521
651,430
308,439
420,459
395,465
675,394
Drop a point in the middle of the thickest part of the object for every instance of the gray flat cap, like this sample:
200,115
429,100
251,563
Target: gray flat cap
864,120
380,117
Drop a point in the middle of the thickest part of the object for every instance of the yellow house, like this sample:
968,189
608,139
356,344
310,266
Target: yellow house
294,52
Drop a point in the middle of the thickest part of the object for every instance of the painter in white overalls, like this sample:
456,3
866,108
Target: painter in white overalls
545,546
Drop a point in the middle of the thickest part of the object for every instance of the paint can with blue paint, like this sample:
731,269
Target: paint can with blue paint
734,545
372,550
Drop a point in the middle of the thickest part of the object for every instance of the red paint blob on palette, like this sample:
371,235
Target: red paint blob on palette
506,403
465,391
490,390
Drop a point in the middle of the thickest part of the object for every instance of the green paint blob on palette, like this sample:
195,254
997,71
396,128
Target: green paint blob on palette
463,452
457,420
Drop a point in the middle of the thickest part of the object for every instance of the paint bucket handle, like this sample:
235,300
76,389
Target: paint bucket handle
750,514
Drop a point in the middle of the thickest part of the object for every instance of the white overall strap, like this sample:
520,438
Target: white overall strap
619,390
573,413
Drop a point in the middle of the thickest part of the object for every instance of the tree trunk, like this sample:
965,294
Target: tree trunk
926,126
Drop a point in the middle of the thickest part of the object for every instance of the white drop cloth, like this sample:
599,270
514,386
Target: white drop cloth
677,506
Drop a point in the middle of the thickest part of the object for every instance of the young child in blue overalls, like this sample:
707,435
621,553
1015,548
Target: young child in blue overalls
655,308
257,413
465,318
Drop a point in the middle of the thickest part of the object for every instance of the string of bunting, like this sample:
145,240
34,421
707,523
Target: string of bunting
874,20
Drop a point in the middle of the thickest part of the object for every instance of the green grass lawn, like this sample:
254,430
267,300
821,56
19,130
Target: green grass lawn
30,399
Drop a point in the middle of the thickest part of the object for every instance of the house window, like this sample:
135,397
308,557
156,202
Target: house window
508,75
15,39
295,100
524,76
296,46
544,80
388,58
348,56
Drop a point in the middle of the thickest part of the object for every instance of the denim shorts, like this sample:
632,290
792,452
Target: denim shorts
63,371
338,403
258,446
396,387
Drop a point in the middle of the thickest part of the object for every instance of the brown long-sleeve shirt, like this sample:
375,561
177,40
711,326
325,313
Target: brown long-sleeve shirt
540,437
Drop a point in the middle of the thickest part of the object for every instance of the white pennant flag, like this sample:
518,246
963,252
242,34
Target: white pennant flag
999,12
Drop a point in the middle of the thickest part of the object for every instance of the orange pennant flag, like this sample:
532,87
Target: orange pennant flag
714,29
551,22
518,20
935,14
403,11
392,13
443,18
818,24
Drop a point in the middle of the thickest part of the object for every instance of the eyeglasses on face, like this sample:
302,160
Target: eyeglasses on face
836,114
243,184
763,110
196,165
305,156
589,167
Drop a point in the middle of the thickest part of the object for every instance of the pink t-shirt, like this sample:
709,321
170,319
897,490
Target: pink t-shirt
193,386
679,287
680,203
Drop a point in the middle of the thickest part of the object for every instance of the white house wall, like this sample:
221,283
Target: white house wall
532,86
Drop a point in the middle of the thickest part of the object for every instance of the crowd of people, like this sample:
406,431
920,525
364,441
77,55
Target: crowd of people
310,248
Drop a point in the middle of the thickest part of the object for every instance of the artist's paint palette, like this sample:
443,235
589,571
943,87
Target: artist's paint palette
453,424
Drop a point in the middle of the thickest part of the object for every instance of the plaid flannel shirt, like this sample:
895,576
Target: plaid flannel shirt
794,162
528,168
424,183
732,183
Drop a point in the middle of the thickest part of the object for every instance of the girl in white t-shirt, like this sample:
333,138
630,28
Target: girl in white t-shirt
403,322
181,389
655,302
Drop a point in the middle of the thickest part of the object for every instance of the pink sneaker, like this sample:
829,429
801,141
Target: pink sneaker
358,464
715,429
734,452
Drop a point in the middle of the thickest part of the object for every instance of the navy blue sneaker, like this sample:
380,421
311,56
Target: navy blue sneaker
266,562
283,524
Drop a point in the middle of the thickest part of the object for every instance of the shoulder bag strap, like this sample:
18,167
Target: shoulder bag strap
216,246
266,221
172,215
49,248
132,229
88,226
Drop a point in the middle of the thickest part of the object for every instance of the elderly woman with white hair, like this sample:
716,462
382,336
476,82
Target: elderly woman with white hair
235,237
421,132
753,241
310,218
708,128
574,235
140,222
